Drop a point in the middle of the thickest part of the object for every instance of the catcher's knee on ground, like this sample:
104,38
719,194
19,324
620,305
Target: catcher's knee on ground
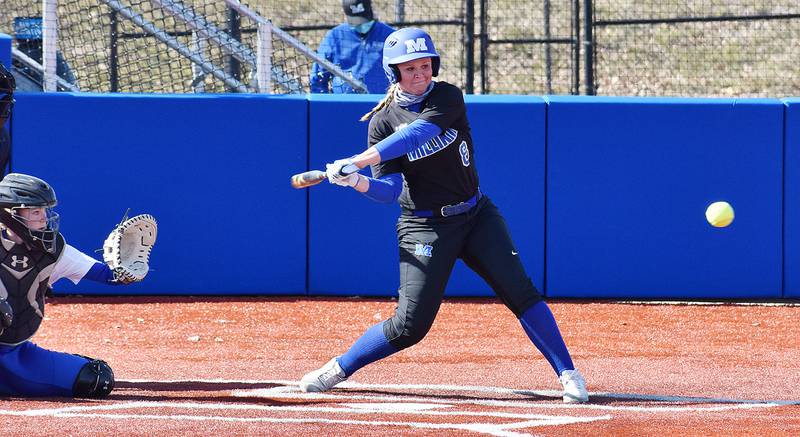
95,380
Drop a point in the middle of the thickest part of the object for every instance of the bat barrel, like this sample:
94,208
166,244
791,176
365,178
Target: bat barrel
308,179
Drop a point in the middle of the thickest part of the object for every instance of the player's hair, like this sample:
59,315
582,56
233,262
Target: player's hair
387,99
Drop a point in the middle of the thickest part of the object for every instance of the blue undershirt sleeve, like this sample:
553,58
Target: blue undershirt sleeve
100,272
385,189
407,139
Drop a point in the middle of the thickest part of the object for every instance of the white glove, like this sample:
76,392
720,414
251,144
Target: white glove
332,172
127,248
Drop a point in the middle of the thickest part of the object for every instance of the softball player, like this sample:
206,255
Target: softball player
421,153
34,256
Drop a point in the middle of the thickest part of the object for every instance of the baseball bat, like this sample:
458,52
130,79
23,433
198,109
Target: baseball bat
313,177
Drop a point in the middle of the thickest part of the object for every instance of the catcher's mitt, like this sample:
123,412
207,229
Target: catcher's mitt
127,248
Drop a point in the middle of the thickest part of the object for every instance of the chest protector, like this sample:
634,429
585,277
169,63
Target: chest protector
24,280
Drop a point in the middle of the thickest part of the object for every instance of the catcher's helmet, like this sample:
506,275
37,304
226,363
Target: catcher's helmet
7,86
23,191
406,45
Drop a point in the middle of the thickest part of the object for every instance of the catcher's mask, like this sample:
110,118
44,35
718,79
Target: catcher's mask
7,86
18,191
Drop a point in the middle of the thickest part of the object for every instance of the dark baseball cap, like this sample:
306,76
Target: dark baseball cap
357,11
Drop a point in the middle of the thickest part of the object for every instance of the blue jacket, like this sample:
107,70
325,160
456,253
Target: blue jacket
362,57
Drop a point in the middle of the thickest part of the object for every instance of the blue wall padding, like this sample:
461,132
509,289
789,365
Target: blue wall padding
352,246
352,240
628,184
604,197
5,50
213,169
792,201
509,136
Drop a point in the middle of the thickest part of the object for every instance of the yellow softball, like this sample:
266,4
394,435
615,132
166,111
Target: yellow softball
719,214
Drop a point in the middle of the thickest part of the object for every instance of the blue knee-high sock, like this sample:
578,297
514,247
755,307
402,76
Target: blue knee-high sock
541,327
371,347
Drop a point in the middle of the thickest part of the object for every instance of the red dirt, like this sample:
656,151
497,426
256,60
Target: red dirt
198,363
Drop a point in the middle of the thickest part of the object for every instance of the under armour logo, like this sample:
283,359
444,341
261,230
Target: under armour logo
357,8
15,261
416,45
423,250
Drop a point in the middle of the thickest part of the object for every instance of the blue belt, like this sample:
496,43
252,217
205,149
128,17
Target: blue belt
449,210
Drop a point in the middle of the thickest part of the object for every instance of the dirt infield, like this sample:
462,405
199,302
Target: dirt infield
229,366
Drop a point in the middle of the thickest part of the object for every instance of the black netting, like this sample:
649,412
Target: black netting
308,21
744,48
700,48
530,48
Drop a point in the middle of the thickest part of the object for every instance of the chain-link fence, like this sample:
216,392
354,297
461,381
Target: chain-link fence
445,21
145,45
501,46
153,46
743,48
528,47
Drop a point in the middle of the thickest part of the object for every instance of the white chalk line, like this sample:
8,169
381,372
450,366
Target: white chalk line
343,396
482,428
397,404
345,408
289,389
706,303
495,429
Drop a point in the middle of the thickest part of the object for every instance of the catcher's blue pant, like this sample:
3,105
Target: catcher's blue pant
28,370
429,248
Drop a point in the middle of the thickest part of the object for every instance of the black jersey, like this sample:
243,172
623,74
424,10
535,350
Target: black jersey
442,172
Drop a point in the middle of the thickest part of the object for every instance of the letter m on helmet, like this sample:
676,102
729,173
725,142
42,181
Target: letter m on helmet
405,45
416,45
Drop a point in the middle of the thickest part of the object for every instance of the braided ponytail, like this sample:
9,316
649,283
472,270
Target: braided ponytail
382,104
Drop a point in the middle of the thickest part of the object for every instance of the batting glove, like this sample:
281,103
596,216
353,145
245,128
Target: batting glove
334,177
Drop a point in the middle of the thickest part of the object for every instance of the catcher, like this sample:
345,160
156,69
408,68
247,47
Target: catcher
34,255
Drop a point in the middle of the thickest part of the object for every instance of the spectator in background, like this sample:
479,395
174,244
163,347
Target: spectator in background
356,47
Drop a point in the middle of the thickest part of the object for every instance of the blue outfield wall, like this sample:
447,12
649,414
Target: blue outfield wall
604,197
792,200
629,180
509,135
352,249
213,169
352,240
